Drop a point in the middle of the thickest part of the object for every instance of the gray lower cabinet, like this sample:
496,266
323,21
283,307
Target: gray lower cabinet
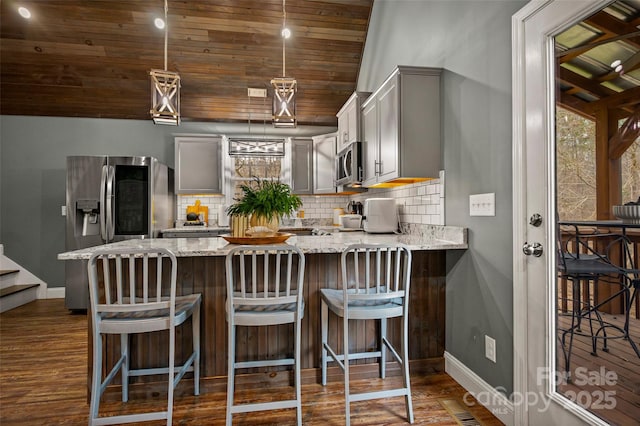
324,154
198,165
302,166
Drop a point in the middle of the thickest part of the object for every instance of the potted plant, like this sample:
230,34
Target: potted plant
266,201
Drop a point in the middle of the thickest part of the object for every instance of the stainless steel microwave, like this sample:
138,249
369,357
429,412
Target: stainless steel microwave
349,170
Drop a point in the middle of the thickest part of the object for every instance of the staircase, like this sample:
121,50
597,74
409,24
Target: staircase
17,285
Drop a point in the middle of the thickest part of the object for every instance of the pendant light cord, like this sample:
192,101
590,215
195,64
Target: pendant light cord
284,39
166,32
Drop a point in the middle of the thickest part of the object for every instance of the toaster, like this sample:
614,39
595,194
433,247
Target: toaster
380,215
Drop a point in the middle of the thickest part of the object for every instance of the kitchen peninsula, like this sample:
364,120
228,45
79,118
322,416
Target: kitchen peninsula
201,270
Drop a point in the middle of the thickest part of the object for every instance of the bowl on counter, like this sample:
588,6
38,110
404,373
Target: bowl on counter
628,213
351,221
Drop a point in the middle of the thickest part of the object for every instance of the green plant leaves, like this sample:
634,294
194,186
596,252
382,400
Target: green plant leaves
264,197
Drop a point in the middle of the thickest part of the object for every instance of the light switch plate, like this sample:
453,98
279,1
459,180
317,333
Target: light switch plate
63,210
482,204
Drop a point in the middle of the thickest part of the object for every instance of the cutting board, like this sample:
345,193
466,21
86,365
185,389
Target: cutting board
198,209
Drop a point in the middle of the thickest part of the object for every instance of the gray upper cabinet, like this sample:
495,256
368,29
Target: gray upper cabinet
401,128
370,143
349,125
198,165
302,166
324,154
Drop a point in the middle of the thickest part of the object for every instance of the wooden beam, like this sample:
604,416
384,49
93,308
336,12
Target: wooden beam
614,26
588,85
629,97
575,105
625,136
608,192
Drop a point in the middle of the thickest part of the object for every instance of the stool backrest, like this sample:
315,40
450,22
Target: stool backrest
373,272
263,275
130,282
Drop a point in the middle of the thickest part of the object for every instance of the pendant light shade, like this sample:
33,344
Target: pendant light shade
284,88
165,88
165,97
284,101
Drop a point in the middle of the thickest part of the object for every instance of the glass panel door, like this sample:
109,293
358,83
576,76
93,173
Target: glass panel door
131,198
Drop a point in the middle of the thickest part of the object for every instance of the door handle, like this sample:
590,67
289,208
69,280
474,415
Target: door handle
103,204
534,249
109,196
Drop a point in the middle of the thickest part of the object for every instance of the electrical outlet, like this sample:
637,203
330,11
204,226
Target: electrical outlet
490,348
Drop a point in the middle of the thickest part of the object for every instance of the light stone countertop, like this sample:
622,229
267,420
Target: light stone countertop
439,238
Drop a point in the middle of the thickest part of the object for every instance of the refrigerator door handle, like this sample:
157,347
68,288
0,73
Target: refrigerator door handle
110,224
103,220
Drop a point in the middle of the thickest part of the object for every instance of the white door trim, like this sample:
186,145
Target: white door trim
533,144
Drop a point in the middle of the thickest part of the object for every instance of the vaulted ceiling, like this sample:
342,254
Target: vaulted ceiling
91,58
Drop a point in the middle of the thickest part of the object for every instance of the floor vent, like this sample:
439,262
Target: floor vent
459,412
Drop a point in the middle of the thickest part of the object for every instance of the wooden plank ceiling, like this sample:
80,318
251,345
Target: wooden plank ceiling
91,58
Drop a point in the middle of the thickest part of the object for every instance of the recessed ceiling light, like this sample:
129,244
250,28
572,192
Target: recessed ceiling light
615,63
159,23
286,32
618,68
24,12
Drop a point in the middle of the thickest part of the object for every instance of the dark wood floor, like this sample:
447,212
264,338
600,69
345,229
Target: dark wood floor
43,358
621,383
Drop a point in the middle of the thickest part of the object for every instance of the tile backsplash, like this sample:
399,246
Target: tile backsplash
419,204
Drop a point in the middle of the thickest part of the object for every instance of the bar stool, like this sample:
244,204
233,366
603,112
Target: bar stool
121,305
375,285
264,287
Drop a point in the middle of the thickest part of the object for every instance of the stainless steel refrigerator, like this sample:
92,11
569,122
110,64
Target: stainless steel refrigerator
112,199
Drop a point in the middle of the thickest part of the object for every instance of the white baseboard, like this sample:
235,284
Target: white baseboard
485,394
55,293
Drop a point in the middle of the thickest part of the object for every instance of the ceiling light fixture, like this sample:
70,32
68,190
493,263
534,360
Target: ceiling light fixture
24,12
165,88
285,88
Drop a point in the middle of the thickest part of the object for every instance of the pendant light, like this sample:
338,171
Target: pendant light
165,88
285,88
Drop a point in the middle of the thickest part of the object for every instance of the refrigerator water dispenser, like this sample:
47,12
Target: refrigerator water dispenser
88,215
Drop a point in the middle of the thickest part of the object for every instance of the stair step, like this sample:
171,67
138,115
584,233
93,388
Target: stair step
8,271
16,289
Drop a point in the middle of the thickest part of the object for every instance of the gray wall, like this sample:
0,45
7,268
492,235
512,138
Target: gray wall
33,153
471,40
